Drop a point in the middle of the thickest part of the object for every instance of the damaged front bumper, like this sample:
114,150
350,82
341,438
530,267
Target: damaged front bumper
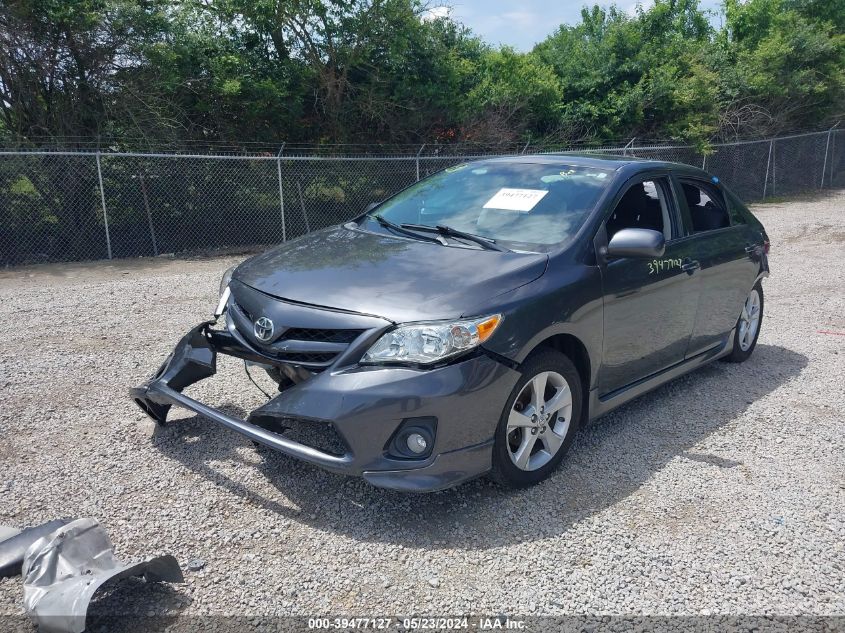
460,404
194,359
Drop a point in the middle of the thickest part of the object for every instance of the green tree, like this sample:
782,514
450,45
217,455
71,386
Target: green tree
154,72
635,76
780,66
61,62
513,95
209,80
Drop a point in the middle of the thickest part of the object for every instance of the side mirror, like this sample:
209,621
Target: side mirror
637,243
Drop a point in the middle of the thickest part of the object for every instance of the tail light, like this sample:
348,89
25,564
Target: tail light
766,246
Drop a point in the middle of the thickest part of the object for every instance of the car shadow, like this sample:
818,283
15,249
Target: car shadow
660,426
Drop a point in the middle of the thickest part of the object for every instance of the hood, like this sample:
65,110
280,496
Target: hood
382,275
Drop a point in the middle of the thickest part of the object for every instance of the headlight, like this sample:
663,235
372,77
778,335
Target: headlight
426,343
224,291
227,277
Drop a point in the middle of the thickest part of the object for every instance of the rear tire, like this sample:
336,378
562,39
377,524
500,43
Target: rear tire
539,420
747,326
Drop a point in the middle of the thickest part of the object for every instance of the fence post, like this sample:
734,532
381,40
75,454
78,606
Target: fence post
147,208
527,143
103,200
827,147
774,170
704,161
302,203
768,162
281,191
418,160
627,145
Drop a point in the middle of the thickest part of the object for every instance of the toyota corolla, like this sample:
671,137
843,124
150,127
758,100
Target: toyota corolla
470,324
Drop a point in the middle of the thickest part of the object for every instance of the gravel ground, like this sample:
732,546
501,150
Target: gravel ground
722,492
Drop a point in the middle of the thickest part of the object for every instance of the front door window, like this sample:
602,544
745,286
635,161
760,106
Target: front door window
644,206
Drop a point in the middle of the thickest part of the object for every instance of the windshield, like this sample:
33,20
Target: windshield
528,206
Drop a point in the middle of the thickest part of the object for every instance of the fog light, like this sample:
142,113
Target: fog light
414,439
417,443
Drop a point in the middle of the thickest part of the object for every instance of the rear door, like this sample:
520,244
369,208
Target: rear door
726,252
649,304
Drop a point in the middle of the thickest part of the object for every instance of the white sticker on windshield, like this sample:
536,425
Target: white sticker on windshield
515,199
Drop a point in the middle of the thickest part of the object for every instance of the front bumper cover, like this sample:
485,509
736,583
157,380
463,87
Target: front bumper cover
365,405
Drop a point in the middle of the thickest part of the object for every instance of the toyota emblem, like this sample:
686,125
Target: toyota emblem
263,329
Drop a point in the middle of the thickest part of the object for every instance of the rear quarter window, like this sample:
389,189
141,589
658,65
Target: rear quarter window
736,209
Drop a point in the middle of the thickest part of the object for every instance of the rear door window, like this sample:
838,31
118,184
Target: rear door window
707,210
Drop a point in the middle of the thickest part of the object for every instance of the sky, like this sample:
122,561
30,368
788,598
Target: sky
523,23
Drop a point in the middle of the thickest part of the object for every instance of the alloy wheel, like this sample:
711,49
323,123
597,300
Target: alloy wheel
539,420
749,320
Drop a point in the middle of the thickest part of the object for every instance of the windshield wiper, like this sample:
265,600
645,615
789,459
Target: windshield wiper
401,229
485,242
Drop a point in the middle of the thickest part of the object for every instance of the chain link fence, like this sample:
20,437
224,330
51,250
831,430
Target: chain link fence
65,206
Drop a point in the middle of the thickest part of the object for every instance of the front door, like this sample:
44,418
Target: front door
649,304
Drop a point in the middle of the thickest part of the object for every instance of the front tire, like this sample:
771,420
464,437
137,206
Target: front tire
748,326
539,421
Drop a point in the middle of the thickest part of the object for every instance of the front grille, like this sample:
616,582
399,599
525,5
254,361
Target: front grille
318,434
314,348
306,357
329,336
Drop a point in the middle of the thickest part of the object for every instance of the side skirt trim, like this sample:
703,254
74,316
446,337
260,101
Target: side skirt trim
599,405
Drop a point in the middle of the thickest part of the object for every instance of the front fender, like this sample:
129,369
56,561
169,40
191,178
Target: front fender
566,300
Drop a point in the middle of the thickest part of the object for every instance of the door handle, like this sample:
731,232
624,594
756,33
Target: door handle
690,267
752,249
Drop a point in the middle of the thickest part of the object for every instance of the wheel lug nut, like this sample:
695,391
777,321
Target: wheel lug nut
534,418
534,431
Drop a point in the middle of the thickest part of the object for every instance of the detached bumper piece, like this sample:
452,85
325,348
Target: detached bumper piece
64,569
14,544
194,359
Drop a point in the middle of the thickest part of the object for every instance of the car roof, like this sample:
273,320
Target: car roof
613,162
